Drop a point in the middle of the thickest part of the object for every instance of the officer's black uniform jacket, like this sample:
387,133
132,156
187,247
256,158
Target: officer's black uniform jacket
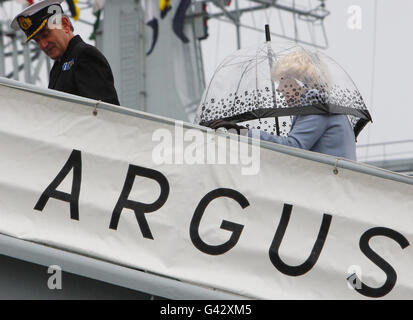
84,71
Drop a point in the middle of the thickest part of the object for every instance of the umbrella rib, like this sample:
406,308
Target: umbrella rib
241,62
239,82
210,82
246,70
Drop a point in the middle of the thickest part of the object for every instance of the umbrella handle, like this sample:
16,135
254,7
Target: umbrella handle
267,33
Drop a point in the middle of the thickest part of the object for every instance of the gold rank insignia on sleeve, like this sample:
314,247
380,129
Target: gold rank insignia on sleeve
25,23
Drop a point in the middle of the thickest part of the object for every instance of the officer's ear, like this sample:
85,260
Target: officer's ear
66,24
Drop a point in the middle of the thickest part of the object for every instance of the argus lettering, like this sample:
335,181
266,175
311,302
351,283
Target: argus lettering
140,209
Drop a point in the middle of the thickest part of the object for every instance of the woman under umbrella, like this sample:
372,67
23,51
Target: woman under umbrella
324,118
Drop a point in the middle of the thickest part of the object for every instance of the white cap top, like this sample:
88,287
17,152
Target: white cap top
30,10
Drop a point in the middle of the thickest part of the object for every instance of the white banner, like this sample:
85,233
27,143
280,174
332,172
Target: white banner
141,193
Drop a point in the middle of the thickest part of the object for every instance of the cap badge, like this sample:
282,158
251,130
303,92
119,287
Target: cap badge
25,23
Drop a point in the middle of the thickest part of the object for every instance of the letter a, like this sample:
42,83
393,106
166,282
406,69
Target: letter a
75,162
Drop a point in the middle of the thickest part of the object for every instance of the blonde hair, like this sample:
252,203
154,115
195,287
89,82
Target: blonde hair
302,66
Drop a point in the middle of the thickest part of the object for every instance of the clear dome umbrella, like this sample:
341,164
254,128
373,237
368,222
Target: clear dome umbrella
264,87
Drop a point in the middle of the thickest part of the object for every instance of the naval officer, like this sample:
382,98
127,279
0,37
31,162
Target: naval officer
79,68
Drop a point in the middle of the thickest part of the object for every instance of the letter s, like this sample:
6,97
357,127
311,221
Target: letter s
379,261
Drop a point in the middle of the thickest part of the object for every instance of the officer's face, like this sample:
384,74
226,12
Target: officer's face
49,41
53,42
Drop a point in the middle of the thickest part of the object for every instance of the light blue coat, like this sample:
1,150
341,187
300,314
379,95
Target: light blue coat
328,134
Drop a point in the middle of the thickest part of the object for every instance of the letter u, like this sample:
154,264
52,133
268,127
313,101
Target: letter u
315,252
